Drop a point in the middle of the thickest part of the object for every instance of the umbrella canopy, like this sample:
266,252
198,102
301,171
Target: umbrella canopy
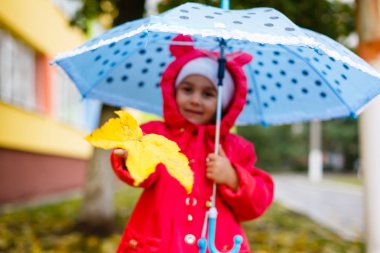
296,75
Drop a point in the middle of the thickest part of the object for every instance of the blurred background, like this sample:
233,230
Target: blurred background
57,194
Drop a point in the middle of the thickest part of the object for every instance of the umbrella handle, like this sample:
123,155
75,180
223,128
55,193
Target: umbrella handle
202,243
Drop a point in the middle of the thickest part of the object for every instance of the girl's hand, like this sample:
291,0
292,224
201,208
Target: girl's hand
220,170
120,153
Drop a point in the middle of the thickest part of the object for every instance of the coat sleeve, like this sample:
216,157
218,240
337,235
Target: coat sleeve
255,192
120,169
118,166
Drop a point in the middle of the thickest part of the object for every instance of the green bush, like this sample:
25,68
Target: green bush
278,148
284,148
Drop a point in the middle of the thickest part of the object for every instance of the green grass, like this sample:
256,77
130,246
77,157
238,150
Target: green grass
51,228
283,231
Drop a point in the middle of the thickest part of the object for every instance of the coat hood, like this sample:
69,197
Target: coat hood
183,53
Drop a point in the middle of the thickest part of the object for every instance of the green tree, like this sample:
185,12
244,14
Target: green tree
119,11
278,148
341,137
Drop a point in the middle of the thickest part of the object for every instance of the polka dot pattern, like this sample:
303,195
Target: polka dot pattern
286,82
295,82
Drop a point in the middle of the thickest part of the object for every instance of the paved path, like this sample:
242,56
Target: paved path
338,206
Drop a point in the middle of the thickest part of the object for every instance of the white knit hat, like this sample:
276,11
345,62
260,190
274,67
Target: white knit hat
208,67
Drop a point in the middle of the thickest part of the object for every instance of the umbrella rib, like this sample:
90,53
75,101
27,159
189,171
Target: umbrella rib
352,112
261,114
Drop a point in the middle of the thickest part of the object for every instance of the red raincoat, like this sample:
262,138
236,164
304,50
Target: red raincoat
165,218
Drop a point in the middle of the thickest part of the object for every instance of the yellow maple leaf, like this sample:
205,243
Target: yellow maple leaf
144,151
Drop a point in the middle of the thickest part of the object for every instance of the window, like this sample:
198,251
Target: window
27,81
17,72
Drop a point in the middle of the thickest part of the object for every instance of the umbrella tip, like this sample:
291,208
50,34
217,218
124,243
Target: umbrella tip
354,115
264,124
83,97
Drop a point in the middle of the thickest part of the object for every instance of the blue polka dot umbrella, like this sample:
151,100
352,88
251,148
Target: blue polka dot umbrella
296,75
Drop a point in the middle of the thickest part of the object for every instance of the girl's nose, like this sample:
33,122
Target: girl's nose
195,99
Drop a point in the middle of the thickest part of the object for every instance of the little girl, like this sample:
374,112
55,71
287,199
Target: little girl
165,218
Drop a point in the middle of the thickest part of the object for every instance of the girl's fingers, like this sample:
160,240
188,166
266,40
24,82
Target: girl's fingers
211,157
210,165
210,175
120,152
210,168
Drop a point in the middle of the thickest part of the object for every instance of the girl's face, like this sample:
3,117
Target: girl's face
196,99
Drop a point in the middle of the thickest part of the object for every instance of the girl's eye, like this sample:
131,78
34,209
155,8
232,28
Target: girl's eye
208,94
186,89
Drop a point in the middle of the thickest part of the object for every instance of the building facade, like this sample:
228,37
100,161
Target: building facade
42,116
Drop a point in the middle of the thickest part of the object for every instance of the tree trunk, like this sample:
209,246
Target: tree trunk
315,163
97,212
129,10
368,18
